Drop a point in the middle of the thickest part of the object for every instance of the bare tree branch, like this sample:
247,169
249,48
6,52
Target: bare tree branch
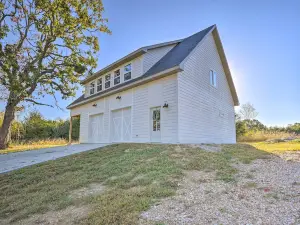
36,103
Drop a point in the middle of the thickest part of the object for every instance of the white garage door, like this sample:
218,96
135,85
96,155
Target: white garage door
121,125
96,128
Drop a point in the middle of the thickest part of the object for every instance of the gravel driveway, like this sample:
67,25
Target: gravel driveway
13,161
265,192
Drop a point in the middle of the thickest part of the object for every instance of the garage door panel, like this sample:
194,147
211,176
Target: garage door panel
121,125
126,124
117,125
96,128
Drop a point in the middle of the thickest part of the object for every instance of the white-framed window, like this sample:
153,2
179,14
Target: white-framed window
127,72
92,88
107,81
99,84
213,78
117,78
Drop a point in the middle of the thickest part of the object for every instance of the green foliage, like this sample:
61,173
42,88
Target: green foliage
254,125
46,46
38,127
249,129
54,43
294,128
241,128
35,127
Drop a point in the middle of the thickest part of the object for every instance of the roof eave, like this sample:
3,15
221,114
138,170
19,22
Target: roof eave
127,58
225,66
117,63
140,80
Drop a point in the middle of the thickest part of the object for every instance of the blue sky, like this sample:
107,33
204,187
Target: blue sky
261,41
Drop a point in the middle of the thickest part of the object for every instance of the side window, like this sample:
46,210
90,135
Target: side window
107,81
213,78
117,77
92,88
99,84
127,72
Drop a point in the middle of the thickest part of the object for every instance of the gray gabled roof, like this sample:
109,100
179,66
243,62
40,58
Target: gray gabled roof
179,52
172,59
127,58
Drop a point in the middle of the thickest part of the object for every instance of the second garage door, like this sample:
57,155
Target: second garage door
121,125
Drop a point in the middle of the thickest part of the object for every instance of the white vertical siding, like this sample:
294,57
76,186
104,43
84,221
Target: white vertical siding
170,115
206,114
140,117
106,121
153,55
137,67
85,111
141,99
151,95
86,90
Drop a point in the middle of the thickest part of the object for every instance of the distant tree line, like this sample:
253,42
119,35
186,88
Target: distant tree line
247,124
34,126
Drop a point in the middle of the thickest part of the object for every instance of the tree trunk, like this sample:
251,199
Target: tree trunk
7,121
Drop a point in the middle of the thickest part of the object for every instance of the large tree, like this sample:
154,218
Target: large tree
45,47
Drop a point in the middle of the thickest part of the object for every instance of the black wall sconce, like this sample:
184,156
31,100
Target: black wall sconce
166,105
118,97
94,104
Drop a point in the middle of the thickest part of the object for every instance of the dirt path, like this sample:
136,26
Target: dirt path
265,192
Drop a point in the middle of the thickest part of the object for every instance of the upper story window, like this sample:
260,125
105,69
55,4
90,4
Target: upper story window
213,78
107,81
127,72
117,78
99,84
92,88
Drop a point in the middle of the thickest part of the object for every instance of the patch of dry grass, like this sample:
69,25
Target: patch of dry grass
32,145
279,147
135,176
259,136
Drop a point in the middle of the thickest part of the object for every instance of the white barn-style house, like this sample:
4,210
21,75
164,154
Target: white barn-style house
174,92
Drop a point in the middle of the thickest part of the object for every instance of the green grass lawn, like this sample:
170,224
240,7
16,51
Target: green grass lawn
135,176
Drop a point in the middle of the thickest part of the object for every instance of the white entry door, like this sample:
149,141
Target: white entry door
96,128
155,124
121,125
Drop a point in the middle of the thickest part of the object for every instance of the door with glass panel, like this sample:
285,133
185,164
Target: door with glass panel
155,124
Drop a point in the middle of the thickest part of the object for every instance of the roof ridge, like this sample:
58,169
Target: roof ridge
177,54
171,59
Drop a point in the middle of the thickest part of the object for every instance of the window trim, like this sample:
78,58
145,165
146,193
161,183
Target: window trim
101,84
124,72
106,81
119,76
92,87
213,78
